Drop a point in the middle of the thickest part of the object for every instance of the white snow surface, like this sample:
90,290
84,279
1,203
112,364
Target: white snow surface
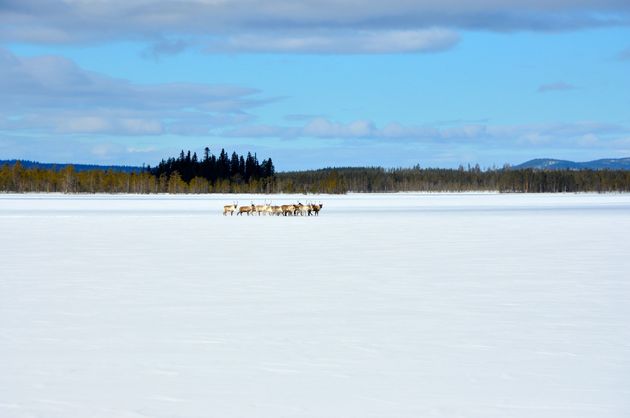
389,306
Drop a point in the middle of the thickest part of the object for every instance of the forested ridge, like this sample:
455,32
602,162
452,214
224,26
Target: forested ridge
235,173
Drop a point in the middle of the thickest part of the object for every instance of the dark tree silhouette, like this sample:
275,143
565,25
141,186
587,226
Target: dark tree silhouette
234,169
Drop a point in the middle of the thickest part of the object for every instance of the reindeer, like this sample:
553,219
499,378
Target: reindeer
230,208
260,209
285,210
288,210
246,209
302,209
268,209
317,208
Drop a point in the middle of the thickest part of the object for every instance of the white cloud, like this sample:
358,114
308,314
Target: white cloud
323,128
588,140
99,124
340,42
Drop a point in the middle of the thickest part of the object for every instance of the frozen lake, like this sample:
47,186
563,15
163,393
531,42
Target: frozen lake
388,306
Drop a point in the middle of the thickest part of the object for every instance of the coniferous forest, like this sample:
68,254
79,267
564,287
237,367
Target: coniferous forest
235,168
234,173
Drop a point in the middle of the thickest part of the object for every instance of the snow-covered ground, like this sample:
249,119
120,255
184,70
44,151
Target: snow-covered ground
389,306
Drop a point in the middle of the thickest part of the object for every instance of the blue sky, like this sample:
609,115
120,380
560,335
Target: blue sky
315,83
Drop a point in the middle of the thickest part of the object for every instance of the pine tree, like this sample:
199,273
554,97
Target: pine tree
234,165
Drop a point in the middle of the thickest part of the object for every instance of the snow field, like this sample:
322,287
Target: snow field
405,305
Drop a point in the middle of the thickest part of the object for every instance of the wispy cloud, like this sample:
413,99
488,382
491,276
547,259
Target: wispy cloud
53,95
624,55
166,47
579,133
80,150
340,42
557,86
394,144
301,117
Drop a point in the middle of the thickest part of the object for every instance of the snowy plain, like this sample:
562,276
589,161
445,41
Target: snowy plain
388,306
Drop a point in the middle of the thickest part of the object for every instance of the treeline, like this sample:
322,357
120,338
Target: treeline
375,179
18,179
187,174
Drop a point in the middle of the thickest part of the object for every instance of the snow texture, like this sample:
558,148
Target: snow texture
388,306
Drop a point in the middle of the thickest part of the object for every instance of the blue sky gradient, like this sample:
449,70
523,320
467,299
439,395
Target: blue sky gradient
415,89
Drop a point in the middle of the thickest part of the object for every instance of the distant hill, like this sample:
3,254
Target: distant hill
551,164
77,167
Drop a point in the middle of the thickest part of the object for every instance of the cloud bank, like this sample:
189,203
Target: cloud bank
53,95
50,95
320,26
579,133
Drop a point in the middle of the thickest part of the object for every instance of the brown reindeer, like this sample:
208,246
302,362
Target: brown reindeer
262,209
246,209
230,208
268,209
317,208
288,210
301,209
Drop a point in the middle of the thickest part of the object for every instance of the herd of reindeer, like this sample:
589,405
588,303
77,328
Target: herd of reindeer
267,209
